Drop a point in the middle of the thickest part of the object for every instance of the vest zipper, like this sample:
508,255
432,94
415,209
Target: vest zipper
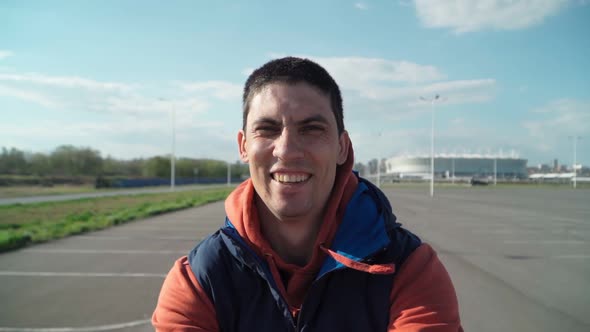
260,269
311,287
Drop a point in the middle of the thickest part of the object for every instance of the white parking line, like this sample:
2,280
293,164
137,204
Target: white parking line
98,237
91,251
79,274
544,241
160,228
82,329
572,256
504,231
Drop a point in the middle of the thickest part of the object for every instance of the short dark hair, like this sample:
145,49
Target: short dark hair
292,70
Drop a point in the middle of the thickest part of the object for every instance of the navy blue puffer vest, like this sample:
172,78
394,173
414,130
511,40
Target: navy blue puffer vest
246,298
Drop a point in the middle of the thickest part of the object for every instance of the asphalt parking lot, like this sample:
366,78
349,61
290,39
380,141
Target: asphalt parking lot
519,258
105,280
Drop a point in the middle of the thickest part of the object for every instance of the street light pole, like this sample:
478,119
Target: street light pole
379,164
431,142
173,152
173,155
228,173
575,139
495,170
453,178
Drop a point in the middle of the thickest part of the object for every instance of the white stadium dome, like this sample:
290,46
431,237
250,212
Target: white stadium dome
458,165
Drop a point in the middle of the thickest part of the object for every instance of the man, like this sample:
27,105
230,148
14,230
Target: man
307,245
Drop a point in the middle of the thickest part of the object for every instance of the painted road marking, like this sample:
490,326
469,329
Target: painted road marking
79,274
504,231
107,251
188,238
572,256
81,329
158,228
485,254
545,242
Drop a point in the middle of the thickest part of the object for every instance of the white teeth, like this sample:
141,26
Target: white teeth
290,178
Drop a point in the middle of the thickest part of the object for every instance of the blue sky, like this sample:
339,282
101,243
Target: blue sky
514,76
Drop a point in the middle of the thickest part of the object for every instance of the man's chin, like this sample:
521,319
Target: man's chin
291,212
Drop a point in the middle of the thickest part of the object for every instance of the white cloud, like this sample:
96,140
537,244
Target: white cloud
361,6
472,15
564,105
64,81
394,87
30,96
84,94
219,89
125,122
557,120
358,71
127,136
137,104
5,54
135,118
453,92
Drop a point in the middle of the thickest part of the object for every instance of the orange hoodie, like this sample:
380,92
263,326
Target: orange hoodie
422,299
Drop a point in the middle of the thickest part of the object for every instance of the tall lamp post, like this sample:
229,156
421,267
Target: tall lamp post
495,170
575,139
173,152
435,98
453,168
379,164
228,173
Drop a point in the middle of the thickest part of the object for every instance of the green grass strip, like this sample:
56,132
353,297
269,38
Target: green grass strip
25,224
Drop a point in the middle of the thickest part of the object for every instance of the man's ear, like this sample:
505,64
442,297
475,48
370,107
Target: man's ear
344,144
242,146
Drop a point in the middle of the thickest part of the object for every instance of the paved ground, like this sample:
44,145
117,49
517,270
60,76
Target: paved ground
106,280
520,260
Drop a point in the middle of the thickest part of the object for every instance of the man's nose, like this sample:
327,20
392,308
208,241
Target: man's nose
288,146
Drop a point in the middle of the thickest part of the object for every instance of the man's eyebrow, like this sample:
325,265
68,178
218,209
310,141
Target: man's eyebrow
314,118
267,121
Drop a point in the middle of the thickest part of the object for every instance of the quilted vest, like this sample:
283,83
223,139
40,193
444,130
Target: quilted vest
246,298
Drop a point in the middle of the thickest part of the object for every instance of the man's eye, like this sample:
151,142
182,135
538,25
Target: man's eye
312,129
267,130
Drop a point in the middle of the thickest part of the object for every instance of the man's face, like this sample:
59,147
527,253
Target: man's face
292,145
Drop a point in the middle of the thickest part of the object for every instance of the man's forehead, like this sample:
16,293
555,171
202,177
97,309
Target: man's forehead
290,100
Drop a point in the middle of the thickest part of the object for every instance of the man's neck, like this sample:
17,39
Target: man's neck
292,239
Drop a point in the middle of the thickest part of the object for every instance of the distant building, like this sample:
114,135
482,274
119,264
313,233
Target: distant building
457,165
544,168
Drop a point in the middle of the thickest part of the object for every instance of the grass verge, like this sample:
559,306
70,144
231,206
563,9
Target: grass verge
26,191
24,224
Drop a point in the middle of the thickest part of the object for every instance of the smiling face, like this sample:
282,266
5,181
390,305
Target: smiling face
292,146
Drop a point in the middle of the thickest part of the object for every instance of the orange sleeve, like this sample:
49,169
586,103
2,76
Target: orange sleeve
423,297
183,305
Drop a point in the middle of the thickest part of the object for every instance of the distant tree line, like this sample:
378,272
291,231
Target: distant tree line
71,161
